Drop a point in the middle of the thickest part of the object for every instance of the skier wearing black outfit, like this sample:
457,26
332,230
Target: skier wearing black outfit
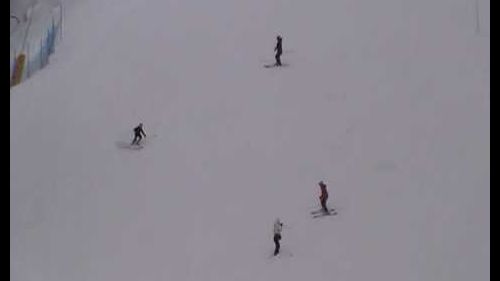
279,50
138,133
278,225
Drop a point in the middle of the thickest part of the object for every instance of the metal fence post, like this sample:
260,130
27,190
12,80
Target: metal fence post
477,17
52,36
46,53
13,65
53,39
41,51
47,47
60,20
28,62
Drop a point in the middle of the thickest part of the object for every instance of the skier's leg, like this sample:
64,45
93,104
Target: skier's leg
279,245
276,245
323,205
134,141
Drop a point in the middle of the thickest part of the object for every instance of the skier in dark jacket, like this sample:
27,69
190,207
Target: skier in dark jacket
279,50
324,196
278,226
138,132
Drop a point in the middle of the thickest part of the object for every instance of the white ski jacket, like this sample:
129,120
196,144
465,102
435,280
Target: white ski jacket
278,227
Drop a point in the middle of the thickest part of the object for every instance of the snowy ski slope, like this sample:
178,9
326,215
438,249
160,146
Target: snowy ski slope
386,101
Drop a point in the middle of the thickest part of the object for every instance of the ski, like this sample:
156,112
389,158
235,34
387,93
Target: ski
275,65
320,211
136,146
281,255
125,145
325,214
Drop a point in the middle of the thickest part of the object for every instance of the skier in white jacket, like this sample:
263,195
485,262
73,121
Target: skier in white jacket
278,226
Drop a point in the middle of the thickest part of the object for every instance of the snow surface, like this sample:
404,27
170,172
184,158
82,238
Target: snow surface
386,101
